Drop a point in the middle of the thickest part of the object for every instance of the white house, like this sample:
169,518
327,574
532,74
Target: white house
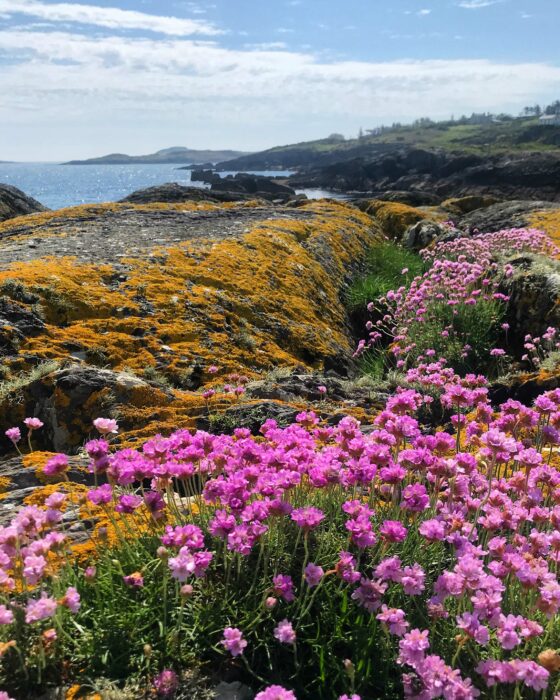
550,119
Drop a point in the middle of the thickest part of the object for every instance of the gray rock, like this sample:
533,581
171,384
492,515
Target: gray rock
534,292
504,215
420,235
233,691
14,202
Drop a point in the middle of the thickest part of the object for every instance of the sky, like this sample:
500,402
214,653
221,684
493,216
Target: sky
82,79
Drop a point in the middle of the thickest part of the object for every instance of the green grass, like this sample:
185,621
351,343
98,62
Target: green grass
384,272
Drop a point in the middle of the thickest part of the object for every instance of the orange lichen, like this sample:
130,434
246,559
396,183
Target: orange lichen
548,221
36,461
394,217
247,303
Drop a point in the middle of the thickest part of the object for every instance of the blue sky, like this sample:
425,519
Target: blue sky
85,78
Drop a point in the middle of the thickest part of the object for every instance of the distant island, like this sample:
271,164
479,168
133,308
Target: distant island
177,154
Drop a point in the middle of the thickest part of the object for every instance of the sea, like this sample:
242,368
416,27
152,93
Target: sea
57,186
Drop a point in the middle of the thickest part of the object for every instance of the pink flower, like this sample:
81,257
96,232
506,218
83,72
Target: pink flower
413,647
275,692
313,575
13,434
394,619
71,600
393,531
101,495
134,580
56,465
307,517
40,609
6,615
322,389
285,633
233,641
33,423
166,683
283,587
106,425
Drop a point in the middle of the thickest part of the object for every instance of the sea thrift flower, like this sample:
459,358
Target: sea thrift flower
40,609
307,517
106,426
56,465
275,692
33,423
313,575
283,587
233,641
13,434
101,495
166,683
394,620
134,580
285,633
6,616
393,531
71,600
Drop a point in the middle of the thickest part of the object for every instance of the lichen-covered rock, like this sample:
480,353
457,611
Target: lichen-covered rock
534,296
465,205
165,291
514,214
393,218
421,234
14,202
68,400
21,481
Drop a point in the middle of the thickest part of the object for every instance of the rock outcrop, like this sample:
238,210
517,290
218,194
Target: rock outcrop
14,202
534,292
443,174
513,214
159,293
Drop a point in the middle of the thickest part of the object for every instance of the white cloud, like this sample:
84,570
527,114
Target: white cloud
478,4
424,13
72,95
109,17
267,46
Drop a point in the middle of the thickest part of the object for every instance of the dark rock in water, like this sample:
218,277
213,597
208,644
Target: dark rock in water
204,175
226,190
173,192
441,174
504,215
248,184
420,235
14,202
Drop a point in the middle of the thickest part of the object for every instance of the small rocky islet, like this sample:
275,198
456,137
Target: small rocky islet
221,318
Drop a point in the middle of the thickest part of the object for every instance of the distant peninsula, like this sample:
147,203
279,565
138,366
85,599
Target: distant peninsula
176,154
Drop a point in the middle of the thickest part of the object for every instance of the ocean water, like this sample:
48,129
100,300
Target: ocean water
58,186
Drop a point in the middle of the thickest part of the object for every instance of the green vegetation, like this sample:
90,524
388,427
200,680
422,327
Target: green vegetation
385,265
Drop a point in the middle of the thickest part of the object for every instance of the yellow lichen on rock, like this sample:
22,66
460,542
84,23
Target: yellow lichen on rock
548,221
267,295
393,217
